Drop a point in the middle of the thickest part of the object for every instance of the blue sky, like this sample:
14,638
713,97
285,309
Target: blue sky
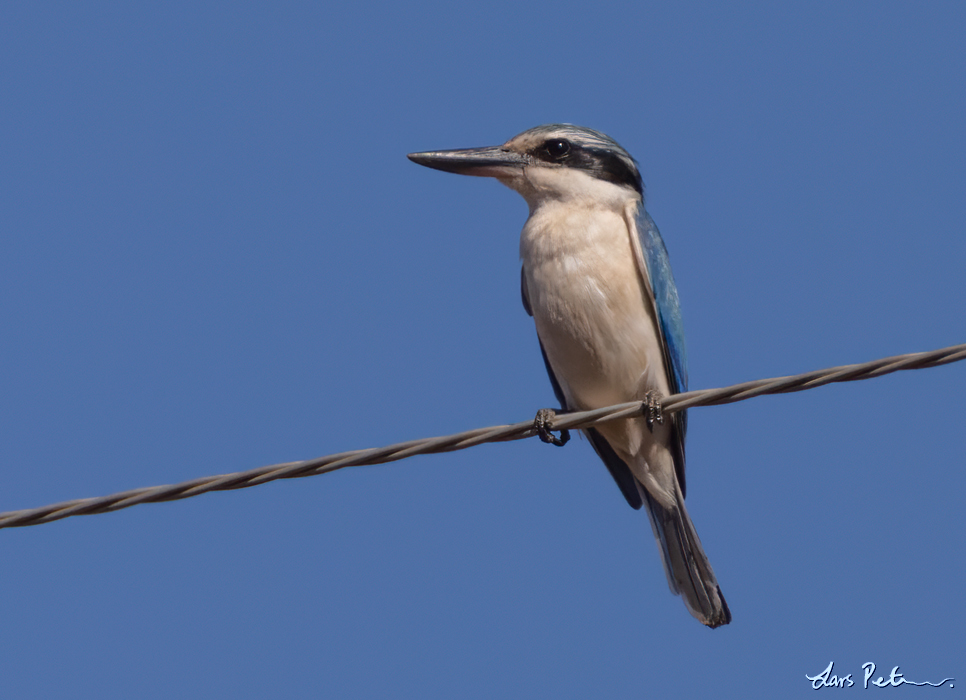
215,256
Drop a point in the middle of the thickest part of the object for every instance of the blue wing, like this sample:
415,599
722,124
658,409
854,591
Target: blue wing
666,297
672,325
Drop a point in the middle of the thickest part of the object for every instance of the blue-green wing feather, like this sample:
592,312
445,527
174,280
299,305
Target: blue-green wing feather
672,325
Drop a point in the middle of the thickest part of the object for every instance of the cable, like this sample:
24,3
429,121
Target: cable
470,438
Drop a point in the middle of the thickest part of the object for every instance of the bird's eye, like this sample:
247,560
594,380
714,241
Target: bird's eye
557,149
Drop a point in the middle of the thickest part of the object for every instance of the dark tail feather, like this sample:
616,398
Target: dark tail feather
687,567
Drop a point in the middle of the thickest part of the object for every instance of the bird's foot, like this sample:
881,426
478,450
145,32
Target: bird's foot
543,424
652,410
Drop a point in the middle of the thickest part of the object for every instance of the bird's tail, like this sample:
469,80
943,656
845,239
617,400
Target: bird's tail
687,567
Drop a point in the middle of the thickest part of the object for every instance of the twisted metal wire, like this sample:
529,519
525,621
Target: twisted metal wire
470,438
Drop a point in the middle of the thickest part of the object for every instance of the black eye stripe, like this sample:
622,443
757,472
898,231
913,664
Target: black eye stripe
601,163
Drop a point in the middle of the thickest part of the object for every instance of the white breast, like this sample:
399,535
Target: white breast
588,299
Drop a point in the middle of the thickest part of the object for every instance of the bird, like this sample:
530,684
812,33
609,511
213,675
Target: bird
597,280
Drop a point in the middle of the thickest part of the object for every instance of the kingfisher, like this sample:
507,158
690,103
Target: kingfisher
597,281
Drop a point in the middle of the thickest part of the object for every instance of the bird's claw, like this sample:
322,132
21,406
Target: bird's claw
543,424
652,410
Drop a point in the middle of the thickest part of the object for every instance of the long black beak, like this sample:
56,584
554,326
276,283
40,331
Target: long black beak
491,161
